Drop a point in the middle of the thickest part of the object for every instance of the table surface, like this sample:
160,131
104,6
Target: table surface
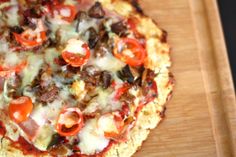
201,117
228,12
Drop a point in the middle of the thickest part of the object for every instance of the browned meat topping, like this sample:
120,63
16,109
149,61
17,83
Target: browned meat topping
119,28
96,11
106,79
48,95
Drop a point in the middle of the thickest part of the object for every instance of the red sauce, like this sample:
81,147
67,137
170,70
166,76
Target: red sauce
3,130
27,148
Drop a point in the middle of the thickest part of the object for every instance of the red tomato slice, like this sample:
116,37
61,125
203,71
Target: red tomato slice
130,51
29,40
20,109
70,122
63,9
76,59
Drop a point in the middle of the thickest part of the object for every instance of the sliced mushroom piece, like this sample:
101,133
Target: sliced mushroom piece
96,11
119,28
129,74
101,50
93,37
106,79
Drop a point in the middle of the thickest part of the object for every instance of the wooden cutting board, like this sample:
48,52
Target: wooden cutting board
201,118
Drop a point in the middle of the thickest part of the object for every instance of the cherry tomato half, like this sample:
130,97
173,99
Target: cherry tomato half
76,59
70,122
30,40
20,109
130,51
63,11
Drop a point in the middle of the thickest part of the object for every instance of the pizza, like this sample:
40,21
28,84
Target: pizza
80,78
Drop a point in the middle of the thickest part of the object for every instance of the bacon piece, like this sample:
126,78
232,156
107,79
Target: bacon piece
30,128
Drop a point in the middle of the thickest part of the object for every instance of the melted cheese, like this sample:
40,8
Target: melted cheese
50,55
92,140
108,62
39,115
4,47
11,59
75,46
107,123
12,14
84,25
104,102
31,71
44,137
67,32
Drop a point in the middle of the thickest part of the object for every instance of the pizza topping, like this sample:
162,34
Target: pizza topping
30,128
2,80
119,28
93,37
30,39
83,77
20,109
16,29
78,89
149,87
27,148
65,12
106,79
32,12
92,140
76,53
96,11
70,122
49,94
3,130
112,124
8,71
56,140
121,91
81,17
129,74
130,51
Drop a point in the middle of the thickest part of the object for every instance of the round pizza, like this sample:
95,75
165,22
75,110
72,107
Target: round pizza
80,78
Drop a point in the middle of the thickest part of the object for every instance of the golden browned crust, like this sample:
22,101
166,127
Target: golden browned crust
158,60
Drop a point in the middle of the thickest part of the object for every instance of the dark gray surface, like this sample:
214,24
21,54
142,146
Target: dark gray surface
228,17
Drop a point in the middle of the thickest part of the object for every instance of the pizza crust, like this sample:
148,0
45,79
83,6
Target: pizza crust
159,61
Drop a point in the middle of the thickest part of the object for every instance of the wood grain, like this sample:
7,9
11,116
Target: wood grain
201,117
